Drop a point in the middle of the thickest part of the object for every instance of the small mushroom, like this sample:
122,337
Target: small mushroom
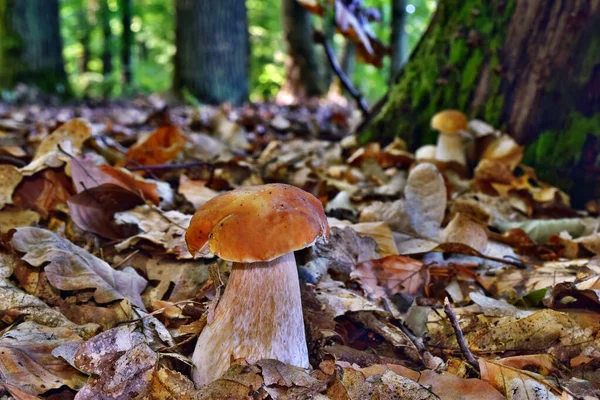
452,125
260,313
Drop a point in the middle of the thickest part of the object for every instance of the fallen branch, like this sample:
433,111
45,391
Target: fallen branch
460,338
319,38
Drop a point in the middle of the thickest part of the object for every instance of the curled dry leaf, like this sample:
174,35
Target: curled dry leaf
44,192
163,145
93,209
10,219
10,178
166,229
72,268
464,230
338,300
425,194
345,249
518,384
391,275
26,359
504,150
378,231
195,191
88,174
69,138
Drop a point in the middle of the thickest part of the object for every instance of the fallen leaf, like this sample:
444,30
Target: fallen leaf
466,231
340,300
93,209
88,174
162,146
10,178
44,192
27,363
425,194
58,147
166,229
10,219
195,191
72,268
391,275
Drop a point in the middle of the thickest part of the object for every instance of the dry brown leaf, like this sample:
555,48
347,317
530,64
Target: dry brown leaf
166,229
27,363
425,194
163,145
391,275
43,192
10,178
464,230
88,174
504,150
195,191
57,148
73,268
93,209
517,384
340,300
10,219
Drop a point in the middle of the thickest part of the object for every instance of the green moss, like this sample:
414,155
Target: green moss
444,71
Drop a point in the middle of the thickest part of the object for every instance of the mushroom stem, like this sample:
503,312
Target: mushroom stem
450,148
259,316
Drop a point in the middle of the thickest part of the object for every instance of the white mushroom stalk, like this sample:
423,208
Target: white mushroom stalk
259,316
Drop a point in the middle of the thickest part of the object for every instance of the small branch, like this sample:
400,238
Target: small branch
319,38
460,338
160,167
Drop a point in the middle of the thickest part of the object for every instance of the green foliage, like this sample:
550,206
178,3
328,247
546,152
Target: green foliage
153,24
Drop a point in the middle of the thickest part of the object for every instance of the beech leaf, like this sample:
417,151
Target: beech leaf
72,268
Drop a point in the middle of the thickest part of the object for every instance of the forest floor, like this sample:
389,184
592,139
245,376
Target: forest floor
101,299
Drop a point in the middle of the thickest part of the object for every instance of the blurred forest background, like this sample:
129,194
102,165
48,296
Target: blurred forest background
105,59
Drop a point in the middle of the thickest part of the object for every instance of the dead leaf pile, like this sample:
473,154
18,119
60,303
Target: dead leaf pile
101,299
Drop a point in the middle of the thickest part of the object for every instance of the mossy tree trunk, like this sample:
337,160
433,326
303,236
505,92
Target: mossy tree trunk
302,68
31,45
525,66
212,58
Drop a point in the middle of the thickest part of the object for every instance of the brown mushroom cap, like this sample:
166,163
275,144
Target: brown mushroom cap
449,122
257,223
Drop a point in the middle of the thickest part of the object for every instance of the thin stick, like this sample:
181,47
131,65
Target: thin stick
460,338
167,166
319,38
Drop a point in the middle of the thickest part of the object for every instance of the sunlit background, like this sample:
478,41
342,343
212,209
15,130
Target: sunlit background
153,24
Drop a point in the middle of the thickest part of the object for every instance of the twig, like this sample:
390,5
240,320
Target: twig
460,338
319,38
167,166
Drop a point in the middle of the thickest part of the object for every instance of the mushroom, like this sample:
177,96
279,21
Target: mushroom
452,125
260,314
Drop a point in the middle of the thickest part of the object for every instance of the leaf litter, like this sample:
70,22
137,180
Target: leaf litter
100,298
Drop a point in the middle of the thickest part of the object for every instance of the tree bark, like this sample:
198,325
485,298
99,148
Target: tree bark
302,69
525,66
107,65
127,40
212,58
398,39
31,45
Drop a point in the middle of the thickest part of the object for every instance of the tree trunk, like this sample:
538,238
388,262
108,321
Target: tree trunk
399,38
525,66
107,65
212,58
31,45
302,69
127,40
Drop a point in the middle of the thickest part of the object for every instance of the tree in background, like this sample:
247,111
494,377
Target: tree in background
31,50
105,16
302,78
212,56
127,40
531,68
398,38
